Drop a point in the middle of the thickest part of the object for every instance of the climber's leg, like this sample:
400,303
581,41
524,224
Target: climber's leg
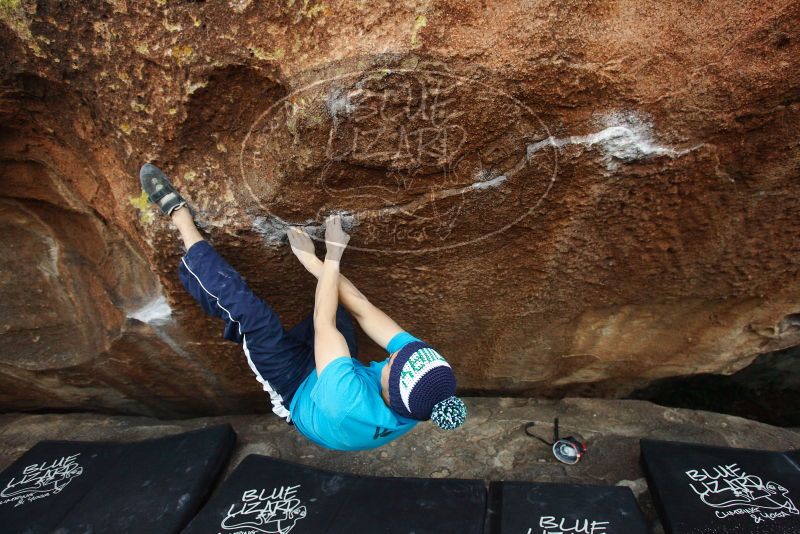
183,220
280,361
277,359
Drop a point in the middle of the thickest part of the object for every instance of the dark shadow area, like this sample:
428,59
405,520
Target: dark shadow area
768,390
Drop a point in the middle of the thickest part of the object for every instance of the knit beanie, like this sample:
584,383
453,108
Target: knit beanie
422,386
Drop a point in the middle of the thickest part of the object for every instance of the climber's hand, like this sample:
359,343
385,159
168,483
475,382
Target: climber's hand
336,239
303,248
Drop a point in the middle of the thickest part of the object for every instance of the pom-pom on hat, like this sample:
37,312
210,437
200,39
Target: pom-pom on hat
422,386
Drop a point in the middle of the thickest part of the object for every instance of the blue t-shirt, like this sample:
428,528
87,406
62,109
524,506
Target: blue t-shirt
343,409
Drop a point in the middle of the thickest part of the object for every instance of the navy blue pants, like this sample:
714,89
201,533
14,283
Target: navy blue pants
280,359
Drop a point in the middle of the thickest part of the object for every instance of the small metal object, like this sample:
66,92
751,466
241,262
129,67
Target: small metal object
568,450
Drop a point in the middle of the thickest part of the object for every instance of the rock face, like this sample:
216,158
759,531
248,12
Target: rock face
491,446
564,198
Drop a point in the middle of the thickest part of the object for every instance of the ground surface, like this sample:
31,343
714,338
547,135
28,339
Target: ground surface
492,446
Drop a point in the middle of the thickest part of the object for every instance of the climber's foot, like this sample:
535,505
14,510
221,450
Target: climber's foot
159,189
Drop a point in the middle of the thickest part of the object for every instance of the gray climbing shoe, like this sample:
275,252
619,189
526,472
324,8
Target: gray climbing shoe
159,189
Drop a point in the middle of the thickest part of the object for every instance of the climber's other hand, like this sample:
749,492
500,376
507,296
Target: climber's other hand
336,238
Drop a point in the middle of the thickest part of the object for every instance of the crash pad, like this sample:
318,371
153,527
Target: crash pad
268,495
544,508
700,489
152,486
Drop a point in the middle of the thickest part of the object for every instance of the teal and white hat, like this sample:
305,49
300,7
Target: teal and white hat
422,386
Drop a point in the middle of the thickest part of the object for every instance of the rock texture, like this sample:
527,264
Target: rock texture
492,446
563,197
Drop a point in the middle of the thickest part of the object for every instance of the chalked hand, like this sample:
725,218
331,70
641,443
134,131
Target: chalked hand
303,249
336,238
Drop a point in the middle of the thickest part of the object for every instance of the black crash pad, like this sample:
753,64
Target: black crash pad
152,487
540,508
700,489
266,495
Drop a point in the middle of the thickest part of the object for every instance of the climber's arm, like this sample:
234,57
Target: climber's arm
376,324
373,321
329,343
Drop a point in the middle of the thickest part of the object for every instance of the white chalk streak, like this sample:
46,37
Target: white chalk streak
423,200
618,143
494,182
154,312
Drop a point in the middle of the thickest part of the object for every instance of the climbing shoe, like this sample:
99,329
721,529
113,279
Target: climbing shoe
159,189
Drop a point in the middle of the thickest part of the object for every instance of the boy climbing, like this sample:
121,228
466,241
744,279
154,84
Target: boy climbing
310,372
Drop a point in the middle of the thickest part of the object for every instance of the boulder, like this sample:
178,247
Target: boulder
564,198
